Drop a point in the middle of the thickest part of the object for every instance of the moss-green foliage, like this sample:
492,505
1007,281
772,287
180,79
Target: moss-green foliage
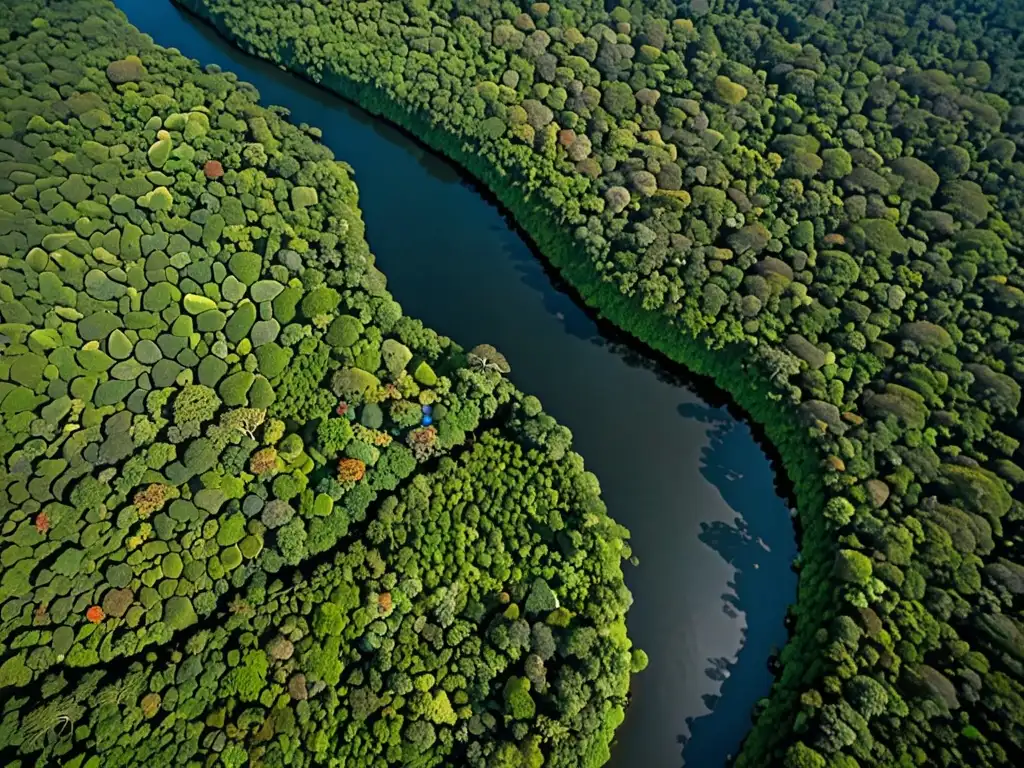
234,387
353,622
919,180
425,375
246,266
344,331
729,92
272,359
320,301
872,141
396,356
149,497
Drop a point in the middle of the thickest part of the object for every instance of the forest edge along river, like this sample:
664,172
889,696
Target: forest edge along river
677,467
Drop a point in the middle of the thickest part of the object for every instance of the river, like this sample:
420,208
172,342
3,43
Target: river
713,536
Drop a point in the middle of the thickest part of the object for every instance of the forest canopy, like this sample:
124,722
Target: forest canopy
820,203
250,512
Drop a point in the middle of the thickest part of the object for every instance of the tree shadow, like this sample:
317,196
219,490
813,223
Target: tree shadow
534,273
759,543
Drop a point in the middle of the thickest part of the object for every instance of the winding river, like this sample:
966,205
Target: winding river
713,537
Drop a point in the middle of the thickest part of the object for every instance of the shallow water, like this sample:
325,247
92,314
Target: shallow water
713,536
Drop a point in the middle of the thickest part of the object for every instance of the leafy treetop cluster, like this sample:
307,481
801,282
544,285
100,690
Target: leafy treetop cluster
206,390
836,190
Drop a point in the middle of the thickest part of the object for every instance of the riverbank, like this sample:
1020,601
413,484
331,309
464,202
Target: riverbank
728,368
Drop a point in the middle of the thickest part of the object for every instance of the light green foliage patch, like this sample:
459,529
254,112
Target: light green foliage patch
181,469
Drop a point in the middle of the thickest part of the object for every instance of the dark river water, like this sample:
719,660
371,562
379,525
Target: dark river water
713,536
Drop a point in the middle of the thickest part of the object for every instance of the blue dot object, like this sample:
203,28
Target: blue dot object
427,420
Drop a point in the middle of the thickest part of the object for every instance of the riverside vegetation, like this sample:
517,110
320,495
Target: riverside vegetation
821,205
250,514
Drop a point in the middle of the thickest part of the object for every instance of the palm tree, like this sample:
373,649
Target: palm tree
58,718
486,357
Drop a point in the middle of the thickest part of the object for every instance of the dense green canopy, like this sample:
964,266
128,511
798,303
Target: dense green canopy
822,204
226,536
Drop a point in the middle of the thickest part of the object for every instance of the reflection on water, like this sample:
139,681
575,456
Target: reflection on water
759,551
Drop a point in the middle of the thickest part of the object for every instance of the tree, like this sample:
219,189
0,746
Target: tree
201,455
263,461
519,704
542,641
195,403
618,99
867,695
729,92
542,598
396,356
333,435
638,660
617,198
852,566
801,756
351,470
244,420
839,510
150,499
322,300
486,357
